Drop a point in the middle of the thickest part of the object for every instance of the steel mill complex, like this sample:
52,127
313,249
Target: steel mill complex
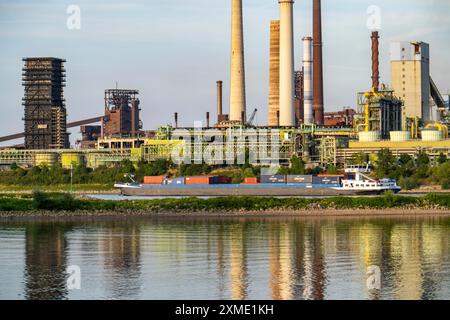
406,115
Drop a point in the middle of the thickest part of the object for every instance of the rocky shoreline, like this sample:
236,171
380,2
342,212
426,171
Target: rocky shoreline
132,213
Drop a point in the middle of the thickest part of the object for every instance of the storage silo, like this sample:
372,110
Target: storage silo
369,136
400,136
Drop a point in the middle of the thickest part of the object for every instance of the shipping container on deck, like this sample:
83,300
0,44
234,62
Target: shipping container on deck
326,180
202,180
154,179
273,179
175,181
299,179
330,175
251,181
224,180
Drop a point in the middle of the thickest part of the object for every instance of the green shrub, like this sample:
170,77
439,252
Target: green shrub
64,201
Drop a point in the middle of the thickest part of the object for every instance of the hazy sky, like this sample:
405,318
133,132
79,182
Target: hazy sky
174,51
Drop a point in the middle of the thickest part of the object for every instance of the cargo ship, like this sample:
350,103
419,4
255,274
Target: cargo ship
354,182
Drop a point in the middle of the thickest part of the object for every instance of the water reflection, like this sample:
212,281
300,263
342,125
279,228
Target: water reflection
121,257
233,259
45,262
238,262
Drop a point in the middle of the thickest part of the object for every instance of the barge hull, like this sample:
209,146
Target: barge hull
242,192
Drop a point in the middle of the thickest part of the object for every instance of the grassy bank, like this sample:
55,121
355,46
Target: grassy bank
66,202
77,188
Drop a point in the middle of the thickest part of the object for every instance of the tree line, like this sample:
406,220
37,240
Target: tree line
410,172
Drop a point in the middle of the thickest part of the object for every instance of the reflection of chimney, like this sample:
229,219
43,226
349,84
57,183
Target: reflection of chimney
274,73
219,100
237,79
308,115
176,119
317,60
238,264
287,106
375,61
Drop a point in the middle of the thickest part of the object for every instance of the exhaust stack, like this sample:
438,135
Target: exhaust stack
375,61
317,60
237,79
308,114
287,105
274,73
219,100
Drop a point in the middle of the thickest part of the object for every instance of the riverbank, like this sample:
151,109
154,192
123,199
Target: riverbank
54,205
69,216
78,189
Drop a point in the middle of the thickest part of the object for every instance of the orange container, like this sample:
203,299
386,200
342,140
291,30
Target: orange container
154,179
251,181
199,180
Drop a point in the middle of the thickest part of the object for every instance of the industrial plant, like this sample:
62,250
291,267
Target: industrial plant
408,115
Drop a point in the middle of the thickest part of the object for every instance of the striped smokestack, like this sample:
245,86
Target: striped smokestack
274,73
308,114
375,61
317,63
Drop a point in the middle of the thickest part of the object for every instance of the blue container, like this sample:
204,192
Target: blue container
273,179
299,179
326,180
214,180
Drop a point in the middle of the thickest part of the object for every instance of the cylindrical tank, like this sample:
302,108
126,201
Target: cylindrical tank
369,136
432,135
45,159
440,127
71,158
400,136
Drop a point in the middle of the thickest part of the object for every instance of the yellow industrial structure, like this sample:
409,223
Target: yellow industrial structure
314,144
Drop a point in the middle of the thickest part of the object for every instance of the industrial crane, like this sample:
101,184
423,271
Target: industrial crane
252,118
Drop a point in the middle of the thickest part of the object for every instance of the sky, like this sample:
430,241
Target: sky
173,52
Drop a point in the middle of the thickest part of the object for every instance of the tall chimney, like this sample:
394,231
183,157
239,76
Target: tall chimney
317,63
274,73
176,119
375,61
299,96
207,120
219,100
287,105
308,114
237,85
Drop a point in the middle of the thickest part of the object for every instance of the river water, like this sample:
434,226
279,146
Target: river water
261,258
